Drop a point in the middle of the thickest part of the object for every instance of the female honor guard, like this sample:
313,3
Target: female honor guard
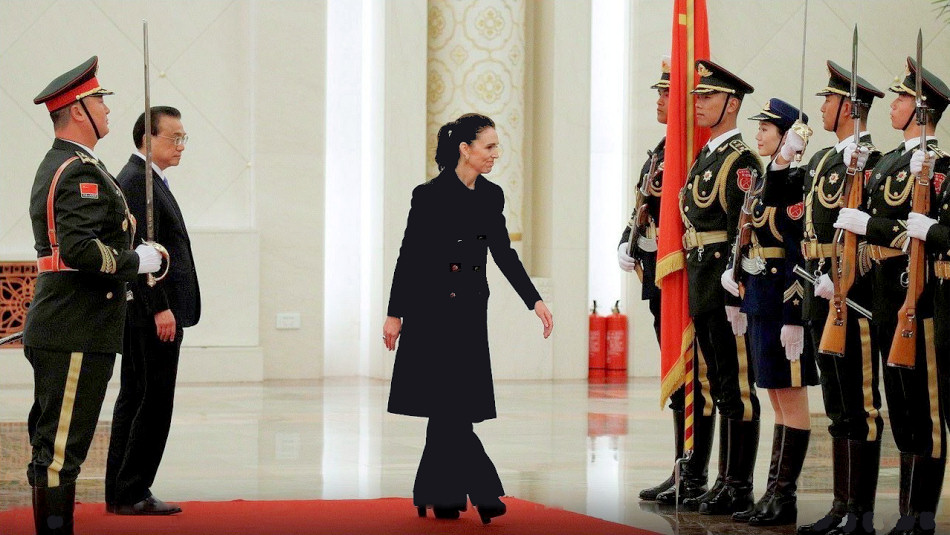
769,250
646,216
911,392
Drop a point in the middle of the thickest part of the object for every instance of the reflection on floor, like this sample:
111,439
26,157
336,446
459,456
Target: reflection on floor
585,447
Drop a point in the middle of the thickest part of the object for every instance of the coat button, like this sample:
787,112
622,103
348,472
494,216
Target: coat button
453,267
452,294
774,271
475,268
109,295
717,254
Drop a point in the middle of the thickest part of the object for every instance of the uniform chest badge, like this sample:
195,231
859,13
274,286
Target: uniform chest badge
744,179
796,211
938,181
902,176
707,176
833,178
89,190
867,177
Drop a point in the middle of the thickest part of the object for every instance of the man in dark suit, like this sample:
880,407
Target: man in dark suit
83,240
154,327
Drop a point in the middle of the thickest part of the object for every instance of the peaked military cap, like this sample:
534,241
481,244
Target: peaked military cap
664,81
73,85
715,79
780,113
936,93
839,83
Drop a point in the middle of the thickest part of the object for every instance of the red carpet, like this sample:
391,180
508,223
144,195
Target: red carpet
386,516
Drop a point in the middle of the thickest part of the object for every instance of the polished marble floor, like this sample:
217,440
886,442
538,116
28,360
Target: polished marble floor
571,444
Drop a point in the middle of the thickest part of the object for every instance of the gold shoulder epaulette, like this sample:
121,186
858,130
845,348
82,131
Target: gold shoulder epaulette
739,146
85,158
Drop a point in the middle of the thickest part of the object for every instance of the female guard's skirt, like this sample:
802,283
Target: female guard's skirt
772,368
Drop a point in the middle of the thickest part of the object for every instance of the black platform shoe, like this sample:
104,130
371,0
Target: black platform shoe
444,512
488,512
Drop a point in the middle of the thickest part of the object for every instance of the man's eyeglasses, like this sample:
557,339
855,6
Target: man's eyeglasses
179,141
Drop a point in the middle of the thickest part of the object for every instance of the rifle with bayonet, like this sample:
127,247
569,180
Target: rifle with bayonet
903,352
844,259
640,218
743,237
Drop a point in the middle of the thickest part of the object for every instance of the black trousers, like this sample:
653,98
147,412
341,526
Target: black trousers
850,385
143,412
68,389
727,368
454,464
913,394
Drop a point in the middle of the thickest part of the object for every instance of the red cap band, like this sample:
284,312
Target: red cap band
69,97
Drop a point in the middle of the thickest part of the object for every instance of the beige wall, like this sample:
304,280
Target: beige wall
249,77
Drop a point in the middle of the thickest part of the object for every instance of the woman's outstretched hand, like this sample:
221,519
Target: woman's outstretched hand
391,332
546,318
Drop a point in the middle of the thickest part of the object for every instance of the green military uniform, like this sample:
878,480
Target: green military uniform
915,420
710,202
849,385
83,235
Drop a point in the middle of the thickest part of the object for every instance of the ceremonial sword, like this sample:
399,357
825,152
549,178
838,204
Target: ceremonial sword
151,279
799,126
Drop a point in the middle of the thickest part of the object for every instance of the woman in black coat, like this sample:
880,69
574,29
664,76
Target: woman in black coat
439,304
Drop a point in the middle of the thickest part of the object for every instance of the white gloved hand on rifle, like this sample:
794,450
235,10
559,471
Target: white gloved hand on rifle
824,287
729,283
863,153
918,225
853,220
917,162
627,263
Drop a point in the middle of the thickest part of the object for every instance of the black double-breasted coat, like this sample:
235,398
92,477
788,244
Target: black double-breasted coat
440,291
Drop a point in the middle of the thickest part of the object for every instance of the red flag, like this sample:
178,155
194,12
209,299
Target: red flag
683,140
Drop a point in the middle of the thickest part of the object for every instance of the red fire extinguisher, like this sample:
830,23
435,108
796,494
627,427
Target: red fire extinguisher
597,344
617,340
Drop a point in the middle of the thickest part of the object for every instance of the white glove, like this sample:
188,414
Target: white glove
728,283
918,224
737,319
853,220
824,287
792,146
149,258
793,340
626,261
862,155
917,162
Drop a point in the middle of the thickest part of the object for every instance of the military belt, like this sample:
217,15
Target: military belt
693,239
812,250
52,263
942,269
878,253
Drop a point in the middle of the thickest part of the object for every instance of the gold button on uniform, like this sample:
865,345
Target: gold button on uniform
717,254
109,295
452,294
774,271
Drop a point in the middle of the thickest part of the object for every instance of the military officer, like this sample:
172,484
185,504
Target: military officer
643,261
766,252
710,202
83,234
918,431
849,385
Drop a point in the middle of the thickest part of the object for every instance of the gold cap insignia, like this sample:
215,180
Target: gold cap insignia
703,71
666,64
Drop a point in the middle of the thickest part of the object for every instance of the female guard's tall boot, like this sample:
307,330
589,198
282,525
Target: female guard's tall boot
678,429
782,506
736,492
53,509
864,462
778,435
694,474
839,503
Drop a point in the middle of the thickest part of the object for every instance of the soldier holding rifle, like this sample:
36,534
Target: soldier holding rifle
637,251
849,381
915,421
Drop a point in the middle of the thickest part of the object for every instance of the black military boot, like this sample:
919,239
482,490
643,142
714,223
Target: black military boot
678,429
839,504
778,435
864,462
925,487
53,509
905,524
736,492
695,472
782,507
